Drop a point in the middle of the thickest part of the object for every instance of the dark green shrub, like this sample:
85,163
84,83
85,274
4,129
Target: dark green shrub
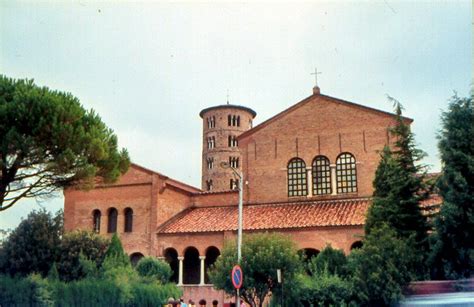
326,289
91,245
30,291
33,246
153,268
383,267
330,260
153,294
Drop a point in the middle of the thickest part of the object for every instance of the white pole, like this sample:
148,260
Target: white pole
239,231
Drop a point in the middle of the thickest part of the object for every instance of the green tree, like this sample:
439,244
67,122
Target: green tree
49,141
382,267
329,260
34,245
399,186
115,256
154,269
325,289
91,245
262,255
453,250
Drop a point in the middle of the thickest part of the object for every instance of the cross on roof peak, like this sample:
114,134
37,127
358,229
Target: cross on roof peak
316,89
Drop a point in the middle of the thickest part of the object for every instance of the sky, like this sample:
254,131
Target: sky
148,68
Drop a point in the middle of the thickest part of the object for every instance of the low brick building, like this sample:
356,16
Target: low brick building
307,172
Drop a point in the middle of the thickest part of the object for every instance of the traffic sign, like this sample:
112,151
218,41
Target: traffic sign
237,277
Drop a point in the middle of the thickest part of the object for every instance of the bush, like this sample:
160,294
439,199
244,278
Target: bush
91,245
33,246
382,267
326,289
332,260
155,269
30,291
36,291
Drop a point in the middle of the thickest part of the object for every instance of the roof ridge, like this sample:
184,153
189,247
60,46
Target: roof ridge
306,100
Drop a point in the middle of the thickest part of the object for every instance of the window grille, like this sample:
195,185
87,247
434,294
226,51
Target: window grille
321,172
346,173
297,181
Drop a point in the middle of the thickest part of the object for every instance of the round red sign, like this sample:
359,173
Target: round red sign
237,277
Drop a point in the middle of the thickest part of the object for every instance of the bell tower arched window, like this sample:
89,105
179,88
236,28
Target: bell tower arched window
346,173
297,181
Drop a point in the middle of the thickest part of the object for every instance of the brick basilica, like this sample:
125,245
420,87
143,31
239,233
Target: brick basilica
307,172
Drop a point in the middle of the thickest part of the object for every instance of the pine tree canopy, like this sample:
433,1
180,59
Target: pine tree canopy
453,244
399,185
49,141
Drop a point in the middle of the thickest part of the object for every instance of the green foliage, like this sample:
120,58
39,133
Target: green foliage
399,187
29,291
36,291
115,256
154,269
49,141
262,255
33,245
53,274
382,267
453,242
91,245
329,261
326,289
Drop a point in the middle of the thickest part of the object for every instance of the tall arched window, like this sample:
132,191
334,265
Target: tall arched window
297,182
128,220
321,176
112,222
96,220
346,173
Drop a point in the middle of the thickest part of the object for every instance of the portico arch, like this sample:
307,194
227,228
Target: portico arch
212,253
306,255
171,256
191,266
135,257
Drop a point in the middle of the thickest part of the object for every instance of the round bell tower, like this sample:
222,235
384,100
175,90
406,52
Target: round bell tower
222,125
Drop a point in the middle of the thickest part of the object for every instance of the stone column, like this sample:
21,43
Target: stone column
309,181
333,179
180,274
203,264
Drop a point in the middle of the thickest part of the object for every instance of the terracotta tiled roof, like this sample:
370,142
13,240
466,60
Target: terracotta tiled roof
344,212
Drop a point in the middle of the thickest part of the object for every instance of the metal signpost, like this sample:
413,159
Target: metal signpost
237,277
240,175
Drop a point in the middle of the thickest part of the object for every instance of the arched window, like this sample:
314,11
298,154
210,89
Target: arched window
209,184
229,120
128,220
297,183
321,176
112,222
346,174
238,121
96,220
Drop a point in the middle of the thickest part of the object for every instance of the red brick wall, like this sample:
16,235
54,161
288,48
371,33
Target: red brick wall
320,126
227,198
221,153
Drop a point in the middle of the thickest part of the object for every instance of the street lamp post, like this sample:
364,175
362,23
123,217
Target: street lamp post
240,175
